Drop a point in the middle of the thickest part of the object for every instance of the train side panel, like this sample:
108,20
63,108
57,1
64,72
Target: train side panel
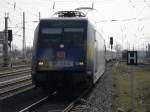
100,56
95,54
90,52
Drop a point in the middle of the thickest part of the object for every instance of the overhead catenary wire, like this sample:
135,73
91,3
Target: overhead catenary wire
96,1
124,20
105,2
64,1
20,9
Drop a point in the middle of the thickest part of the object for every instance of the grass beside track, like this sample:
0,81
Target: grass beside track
122,88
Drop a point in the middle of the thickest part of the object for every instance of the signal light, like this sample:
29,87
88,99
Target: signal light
10,37
111,40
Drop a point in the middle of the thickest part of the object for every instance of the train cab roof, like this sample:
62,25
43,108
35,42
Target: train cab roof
67,15
66,18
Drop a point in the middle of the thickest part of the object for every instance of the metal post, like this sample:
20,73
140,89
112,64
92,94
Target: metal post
39,16
132,90
111,54
6,57
23,41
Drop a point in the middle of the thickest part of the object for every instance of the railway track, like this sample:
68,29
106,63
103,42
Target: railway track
97,101
15,82
78,101
14,72
76,104
46,105
2,69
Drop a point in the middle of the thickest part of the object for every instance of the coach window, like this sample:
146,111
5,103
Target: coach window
74,35
51,34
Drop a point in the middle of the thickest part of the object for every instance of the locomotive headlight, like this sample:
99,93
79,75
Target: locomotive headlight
40,63
81,63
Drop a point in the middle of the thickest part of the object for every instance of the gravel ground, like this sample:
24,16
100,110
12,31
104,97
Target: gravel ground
100,100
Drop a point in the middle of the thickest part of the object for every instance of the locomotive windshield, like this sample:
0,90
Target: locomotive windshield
62,31
51,34
75,35
51,31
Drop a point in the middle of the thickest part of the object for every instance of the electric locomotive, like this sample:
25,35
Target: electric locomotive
67,50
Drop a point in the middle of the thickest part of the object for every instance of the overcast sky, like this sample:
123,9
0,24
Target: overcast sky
130,28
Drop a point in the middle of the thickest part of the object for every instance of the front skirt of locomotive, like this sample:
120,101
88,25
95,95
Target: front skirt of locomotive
61,79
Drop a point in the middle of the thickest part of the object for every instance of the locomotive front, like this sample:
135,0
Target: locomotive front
59,56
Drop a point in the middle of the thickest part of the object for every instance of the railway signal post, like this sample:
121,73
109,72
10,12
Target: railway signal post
111,45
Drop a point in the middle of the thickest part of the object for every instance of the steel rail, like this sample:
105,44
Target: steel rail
16,91
10,87
67,108
79,99
34,104
16,72
13,67
15,86
13,81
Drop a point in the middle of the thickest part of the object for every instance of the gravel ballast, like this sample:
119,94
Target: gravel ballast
100,99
